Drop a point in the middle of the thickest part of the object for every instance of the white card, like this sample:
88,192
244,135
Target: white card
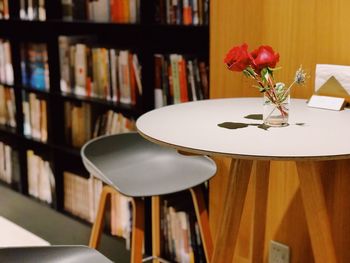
325,102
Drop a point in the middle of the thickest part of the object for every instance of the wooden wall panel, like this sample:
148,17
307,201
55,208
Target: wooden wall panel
303,32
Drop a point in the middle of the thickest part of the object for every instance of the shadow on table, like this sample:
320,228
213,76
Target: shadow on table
240,125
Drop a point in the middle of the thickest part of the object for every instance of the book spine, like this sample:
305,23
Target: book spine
80,70
67,9
183,79
174,60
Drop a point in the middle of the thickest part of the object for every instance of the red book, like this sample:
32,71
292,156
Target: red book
183,80
187,13
133,92
116,10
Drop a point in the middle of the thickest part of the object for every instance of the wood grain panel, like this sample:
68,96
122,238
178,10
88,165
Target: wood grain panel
303,32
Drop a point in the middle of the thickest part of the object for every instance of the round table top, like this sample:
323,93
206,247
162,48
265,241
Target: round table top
194,127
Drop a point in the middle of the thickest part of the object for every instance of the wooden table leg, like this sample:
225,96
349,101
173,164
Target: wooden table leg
316,213
237,185
260,208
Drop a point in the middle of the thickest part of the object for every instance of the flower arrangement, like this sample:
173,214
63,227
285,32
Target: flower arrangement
260,65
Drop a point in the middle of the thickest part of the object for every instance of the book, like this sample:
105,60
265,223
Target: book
9,164
100,11
7,107
34,117
67,9
34,66
6,68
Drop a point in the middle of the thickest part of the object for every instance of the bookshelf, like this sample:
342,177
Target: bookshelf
146,38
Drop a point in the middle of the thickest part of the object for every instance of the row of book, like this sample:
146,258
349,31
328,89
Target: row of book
82,124
118,11
6,68
7,107
4,9
41,181
178,79
9,164
181,236
82,196
182,12
35,116
32,10
34,66
110,74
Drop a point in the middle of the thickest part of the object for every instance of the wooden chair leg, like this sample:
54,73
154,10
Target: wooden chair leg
138,225
316,213
260,209
106,196
226,238
155,228
203,222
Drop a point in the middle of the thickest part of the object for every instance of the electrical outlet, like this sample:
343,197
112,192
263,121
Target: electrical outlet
279,253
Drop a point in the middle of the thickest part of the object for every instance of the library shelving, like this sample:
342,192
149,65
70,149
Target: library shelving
147,37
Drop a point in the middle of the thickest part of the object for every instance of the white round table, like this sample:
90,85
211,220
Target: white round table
210,127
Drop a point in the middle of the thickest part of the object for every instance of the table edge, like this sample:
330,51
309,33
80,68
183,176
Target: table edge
242,156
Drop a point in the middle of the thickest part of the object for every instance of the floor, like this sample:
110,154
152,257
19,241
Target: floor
56,228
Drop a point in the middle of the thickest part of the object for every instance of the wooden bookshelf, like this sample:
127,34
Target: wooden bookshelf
145,38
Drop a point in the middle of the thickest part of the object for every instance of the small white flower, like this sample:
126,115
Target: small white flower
300,76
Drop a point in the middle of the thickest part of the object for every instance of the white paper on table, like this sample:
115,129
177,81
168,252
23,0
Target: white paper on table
340,72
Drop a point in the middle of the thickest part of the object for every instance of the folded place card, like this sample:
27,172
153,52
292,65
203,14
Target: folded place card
326,102
333,80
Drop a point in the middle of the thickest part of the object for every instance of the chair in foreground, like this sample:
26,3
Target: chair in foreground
52,254
137,168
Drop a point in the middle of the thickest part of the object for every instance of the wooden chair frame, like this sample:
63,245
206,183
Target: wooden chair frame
139,219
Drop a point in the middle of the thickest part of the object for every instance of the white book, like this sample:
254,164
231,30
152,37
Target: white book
191,80
52,181
100,11
137,70
115,124
32,167
80,69
133,11
26,115
110,114
91,199
3,115
44,182
9,78
124,77
98,186
41,10
30,10
11,113
2,161
113,69
158,98
22,10
195,12
2,62
65,82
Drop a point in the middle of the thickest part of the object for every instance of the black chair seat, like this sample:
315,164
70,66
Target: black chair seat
52,254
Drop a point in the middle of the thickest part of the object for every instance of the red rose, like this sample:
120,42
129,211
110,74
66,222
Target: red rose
238,58
264,57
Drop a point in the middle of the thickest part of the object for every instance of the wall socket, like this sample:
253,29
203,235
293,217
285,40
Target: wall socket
279,253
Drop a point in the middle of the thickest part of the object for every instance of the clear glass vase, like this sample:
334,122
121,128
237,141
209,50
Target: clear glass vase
276,113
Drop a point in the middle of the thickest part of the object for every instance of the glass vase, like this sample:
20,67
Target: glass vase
276,114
